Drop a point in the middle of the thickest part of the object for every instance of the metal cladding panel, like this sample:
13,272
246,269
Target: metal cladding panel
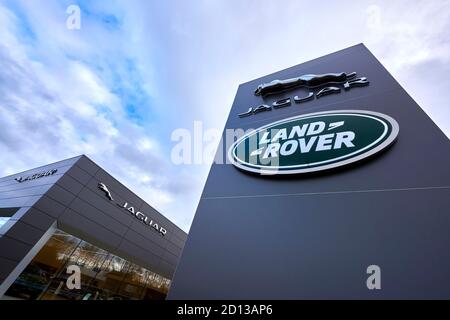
92,210
34,214
26,193
313,236
61,166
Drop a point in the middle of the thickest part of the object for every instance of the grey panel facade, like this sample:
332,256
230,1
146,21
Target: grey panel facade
71,201
313,237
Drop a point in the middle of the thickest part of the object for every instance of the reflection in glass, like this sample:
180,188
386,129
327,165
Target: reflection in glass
104,276
3,220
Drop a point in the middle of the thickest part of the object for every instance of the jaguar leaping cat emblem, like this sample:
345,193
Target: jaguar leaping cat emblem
105,189
307,80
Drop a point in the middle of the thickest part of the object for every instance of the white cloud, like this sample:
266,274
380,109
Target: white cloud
54,107
414,47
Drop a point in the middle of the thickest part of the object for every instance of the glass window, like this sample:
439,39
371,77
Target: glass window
109,277
6,214
34,281
104,276
133,283
3,220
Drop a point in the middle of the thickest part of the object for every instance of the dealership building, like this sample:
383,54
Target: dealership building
71,218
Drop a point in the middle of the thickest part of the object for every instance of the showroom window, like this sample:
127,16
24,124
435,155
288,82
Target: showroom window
104,276
6,214
3,220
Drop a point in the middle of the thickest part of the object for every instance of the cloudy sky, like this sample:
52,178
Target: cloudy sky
116,89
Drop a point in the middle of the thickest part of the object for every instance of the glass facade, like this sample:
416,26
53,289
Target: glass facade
104,276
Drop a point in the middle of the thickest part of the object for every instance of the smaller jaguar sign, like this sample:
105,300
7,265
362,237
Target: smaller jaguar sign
136,213
36,176
314,142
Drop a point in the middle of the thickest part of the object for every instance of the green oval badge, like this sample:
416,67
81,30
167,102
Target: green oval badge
314,142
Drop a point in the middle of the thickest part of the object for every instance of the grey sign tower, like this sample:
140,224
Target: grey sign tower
317,234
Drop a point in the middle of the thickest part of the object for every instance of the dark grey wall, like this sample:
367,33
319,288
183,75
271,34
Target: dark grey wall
308,237
27,230
70,200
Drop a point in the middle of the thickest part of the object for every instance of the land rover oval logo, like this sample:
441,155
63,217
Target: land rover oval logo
314,142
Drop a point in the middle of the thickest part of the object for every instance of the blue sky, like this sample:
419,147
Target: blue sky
138,70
